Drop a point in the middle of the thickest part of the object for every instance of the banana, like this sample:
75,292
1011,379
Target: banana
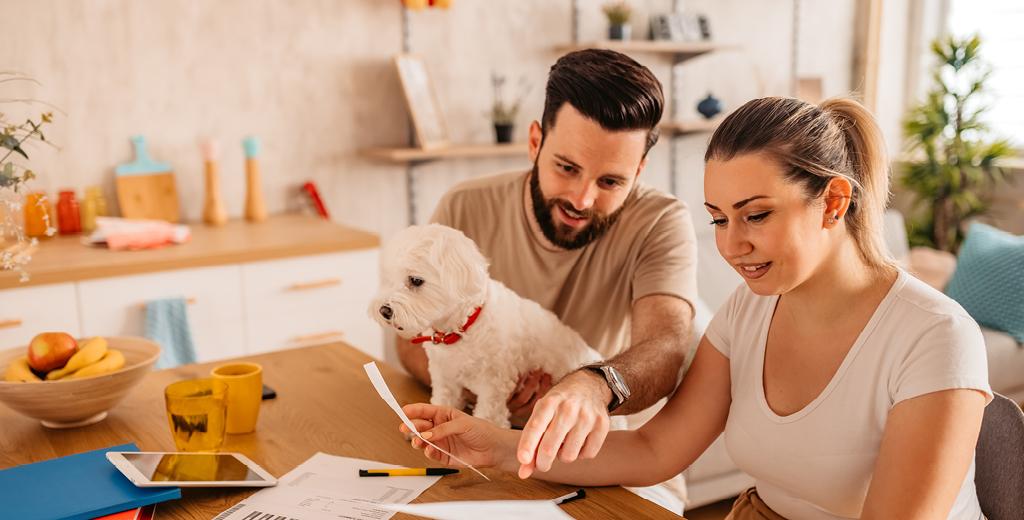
112,360
91,351
19,371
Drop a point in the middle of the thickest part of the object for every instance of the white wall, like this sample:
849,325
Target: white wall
314,80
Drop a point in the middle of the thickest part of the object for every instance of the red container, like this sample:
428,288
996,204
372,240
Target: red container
69,220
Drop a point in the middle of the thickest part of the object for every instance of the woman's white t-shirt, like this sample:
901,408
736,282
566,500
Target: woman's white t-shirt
817,463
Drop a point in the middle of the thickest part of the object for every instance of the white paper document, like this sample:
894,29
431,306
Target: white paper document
385,393
327,487
489,509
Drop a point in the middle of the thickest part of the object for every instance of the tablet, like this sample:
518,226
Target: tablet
162,469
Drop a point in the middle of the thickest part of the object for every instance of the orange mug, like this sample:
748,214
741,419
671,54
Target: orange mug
245,393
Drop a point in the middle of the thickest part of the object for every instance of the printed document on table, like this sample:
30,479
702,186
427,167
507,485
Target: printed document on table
489,509
327,487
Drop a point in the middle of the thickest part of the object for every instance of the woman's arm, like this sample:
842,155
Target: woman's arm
691,420
671,441
927,448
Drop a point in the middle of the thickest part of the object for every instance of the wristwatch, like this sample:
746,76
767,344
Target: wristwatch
620,391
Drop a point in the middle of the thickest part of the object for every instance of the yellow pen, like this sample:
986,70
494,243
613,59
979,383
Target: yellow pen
407,472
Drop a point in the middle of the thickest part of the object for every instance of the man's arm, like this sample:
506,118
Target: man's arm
660,334
414,359
572,419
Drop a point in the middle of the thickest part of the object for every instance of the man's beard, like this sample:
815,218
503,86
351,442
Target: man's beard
563,235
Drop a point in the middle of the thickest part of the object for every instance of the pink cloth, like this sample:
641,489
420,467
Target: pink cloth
124,234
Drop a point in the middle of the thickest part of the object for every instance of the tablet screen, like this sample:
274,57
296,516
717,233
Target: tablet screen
191,467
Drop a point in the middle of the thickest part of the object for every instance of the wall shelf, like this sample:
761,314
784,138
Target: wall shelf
679,51
458,151
689,127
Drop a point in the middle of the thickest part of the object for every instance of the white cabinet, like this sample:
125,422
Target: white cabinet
233,310
28,311
312,300
117,306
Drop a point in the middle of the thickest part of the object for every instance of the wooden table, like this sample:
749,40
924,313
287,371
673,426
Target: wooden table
324,403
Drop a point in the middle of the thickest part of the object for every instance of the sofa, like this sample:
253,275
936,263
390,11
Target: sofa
713,476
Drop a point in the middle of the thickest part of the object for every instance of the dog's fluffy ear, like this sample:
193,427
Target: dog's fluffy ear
458,257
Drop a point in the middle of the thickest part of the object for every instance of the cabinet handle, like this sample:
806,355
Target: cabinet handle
188,301
305,286
313,337
10,324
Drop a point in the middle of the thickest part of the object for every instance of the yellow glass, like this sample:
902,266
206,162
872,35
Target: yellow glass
245,383
197,413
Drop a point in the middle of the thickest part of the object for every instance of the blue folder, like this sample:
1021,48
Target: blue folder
81,486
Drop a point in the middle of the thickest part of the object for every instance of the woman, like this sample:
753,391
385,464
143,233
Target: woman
845,387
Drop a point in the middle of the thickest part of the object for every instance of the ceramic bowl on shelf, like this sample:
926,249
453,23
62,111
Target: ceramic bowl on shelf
70,403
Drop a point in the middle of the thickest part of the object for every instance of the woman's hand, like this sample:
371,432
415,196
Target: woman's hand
473,440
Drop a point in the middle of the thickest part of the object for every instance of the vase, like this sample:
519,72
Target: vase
503,132
710,106
619,31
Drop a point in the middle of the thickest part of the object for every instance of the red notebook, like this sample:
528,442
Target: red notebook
139,513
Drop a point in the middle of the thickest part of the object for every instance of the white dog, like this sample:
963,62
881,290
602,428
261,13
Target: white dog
478,334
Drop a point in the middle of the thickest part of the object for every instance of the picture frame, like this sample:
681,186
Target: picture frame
663,29
421,99
680,27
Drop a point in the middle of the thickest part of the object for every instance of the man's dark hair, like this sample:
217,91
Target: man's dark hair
607,87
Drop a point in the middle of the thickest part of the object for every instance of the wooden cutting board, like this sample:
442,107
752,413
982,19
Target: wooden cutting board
146,188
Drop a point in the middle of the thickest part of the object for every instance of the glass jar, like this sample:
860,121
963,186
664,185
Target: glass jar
89,212
95,193
69,219
37,215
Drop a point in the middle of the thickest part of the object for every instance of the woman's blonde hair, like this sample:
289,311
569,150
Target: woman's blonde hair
814,144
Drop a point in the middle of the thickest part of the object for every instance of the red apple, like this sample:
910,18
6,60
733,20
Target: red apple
50,351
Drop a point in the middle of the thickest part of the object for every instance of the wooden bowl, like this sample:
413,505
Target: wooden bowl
79,402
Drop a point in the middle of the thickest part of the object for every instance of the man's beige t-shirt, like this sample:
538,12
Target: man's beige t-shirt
650,249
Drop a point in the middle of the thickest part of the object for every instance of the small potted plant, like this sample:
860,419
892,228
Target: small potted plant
503,113
618,13
16,247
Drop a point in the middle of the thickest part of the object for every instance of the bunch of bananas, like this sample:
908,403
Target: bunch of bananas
93,358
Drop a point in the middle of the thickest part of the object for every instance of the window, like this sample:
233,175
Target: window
1000,23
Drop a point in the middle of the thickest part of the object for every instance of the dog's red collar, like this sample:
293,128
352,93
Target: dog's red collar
449,338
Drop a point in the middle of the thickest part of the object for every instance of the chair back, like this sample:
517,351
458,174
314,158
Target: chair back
999,461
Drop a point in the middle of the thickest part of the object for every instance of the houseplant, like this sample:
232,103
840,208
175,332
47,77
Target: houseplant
618,13
952,169
15,247
503,113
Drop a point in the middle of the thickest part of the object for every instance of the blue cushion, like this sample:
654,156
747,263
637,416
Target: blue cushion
989,279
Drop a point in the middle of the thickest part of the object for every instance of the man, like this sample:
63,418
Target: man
614,259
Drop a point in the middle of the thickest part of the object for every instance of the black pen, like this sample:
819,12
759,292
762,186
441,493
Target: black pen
575,495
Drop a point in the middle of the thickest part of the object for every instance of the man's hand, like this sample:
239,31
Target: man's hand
570,422
531,387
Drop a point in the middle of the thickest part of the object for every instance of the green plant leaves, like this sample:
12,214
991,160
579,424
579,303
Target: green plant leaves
958,169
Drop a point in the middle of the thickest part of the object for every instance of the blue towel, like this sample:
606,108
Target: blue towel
167,324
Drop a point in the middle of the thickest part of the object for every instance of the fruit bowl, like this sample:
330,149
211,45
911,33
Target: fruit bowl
69,403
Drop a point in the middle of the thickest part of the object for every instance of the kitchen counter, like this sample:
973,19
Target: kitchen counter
65,259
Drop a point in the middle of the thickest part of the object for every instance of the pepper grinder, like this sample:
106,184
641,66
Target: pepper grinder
255,209
214,212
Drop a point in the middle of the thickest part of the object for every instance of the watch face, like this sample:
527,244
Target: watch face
619,383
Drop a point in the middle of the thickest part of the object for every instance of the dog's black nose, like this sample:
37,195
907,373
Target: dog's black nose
386,312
